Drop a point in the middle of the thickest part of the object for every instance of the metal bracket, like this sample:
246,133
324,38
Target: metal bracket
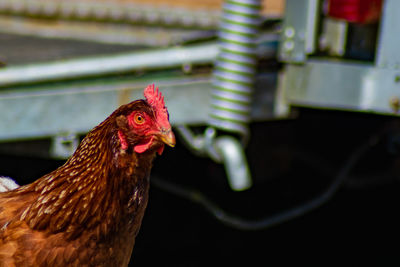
299,30
223,149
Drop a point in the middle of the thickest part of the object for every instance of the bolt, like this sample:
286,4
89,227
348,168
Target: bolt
289,32
288,45
187,68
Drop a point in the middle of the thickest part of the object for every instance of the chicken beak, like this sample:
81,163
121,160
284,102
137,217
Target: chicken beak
168,137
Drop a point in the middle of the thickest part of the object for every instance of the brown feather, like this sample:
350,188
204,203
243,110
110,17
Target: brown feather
88,211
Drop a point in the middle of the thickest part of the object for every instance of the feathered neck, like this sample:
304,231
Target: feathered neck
100,186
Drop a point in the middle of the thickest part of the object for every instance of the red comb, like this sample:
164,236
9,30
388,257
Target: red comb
154,97
156,100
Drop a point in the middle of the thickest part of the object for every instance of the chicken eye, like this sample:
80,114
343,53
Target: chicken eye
139,119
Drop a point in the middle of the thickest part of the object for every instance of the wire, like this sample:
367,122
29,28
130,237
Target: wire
269,221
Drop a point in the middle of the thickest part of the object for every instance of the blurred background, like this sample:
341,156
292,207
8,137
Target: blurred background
286,114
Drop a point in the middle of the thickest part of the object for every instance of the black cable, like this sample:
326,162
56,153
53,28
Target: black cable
245,224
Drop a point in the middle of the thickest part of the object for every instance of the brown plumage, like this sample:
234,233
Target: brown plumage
89,211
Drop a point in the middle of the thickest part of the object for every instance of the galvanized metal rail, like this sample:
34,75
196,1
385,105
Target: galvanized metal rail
46,110
101,32
105,65
111,12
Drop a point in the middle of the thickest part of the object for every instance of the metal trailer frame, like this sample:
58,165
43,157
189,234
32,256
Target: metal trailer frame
339,84
72,96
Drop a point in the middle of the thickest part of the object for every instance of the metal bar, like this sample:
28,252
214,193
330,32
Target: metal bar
388,55
45,110
344,86
94,66
78,107
311,26
100,32
112,11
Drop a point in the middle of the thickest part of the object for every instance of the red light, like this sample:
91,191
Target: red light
357,11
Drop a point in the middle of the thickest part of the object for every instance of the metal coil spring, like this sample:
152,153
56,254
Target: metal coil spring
236,65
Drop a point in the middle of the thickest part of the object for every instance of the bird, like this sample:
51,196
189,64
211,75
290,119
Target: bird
88,212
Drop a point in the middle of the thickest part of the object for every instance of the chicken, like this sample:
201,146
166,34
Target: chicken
89,211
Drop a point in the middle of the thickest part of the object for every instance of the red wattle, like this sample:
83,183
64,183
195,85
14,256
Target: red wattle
143,147
160,150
